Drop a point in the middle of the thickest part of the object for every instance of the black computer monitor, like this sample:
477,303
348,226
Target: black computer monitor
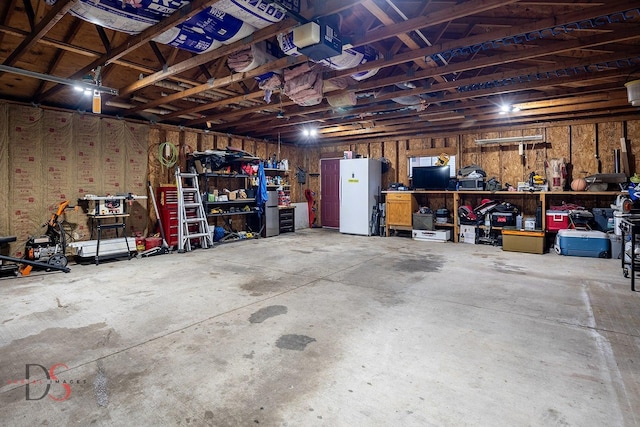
430,177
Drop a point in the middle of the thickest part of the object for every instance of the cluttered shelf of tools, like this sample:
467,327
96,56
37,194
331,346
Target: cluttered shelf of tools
230,202
220,214
229,195
402,204
224,175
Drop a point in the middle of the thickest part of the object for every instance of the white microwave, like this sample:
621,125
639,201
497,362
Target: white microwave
473,184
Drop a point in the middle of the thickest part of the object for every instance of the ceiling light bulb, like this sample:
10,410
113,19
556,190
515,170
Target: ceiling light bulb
504,109
305,132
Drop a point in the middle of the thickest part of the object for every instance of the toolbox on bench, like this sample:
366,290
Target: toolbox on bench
585,243
503,219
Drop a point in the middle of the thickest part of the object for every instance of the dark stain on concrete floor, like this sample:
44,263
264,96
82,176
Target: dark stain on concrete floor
427,263
294,342
52,346
267,312
262,286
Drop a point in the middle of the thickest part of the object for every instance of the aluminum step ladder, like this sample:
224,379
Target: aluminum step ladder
192,219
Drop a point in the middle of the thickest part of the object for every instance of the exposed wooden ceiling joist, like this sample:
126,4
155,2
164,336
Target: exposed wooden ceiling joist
456,60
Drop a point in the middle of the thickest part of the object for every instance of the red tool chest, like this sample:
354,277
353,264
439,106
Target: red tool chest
168,210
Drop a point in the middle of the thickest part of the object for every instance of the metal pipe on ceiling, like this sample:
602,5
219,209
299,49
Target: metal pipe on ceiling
59,80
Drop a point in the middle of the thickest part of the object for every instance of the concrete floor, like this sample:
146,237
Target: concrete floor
320,328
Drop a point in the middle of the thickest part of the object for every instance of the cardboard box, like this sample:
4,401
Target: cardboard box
468,234
528,241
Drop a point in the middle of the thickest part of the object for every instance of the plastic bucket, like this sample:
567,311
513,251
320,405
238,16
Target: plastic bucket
633,92
153,242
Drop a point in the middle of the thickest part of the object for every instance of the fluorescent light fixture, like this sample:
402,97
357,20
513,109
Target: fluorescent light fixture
520,139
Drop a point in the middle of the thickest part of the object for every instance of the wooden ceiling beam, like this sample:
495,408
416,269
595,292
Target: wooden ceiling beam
134,42
467,96
48,21
583,14
382,16
259,35
59,54
490,91
431,19
31,15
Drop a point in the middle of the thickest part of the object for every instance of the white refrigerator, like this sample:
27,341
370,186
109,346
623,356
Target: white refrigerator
360,181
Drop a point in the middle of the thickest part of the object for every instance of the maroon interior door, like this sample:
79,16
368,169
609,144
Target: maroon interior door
330,193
